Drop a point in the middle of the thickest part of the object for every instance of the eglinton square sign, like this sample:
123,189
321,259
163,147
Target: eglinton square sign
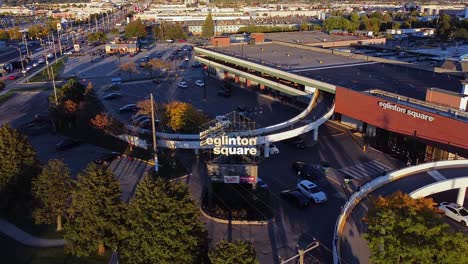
414,114
225,145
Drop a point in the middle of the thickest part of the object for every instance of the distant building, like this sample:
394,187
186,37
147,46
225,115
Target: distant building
123,46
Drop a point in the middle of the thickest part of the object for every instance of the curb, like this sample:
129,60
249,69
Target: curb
235,222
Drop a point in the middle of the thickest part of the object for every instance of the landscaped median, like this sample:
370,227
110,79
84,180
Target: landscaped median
55,67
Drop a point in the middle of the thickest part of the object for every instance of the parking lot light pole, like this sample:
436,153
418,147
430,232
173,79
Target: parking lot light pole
153,126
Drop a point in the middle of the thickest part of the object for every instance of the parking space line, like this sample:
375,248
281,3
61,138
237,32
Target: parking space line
436,175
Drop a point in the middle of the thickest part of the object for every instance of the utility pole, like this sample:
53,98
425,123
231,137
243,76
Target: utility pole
96,23
153,126
59,28
53,44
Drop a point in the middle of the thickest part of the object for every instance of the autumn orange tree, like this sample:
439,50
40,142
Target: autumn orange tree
107,124
129,67
183,117
406,230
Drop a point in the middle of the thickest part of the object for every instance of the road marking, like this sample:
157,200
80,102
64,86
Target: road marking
333,67
365,170
436,175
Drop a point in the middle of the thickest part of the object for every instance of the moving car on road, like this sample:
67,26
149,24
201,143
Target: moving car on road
261,183
306,170
223,120
106,158
455,211
295,197
311,191
182,84
199,83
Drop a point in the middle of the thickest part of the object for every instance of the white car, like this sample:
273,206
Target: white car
199,83
273,149
50,55
222,120
311,191
455,211
182,85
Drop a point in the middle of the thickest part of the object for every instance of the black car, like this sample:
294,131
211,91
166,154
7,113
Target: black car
224,93
300,144
128,108
196,64
157,81
295,197
107,158
306,170
112,96
67,143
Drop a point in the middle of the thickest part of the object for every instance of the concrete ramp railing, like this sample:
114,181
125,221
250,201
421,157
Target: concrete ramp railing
256,132
195,144
441,186
377,183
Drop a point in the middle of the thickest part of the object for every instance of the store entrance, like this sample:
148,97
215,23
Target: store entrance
402,147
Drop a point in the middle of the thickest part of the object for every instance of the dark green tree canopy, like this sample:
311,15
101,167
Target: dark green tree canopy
135,29
95,213
163,225
406,230
18,165
208,27
52,190
237,252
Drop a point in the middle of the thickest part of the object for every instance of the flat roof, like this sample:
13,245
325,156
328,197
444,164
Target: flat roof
344,71
284,57
392,78
308,37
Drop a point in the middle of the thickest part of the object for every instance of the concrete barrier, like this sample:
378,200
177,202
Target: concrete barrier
377,183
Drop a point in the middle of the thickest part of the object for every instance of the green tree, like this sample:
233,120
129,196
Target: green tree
208,27
97,36
52,190
163,225
175,31
444,27
157,32
406,230
461,34
237,252
37,31
304,26
135,29
18,165
4,35
15,33
95,213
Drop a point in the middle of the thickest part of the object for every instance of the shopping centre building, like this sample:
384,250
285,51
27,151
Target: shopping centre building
411,112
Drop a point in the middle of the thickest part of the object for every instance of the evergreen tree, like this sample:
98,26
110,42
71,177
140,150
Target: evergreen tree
237,252
406,230
52,189
18,165
163,225
444,28
95,213
135,29
208,27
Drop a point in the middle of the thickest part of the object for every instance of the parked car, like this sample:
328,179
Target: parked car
261,183
157,81
106,158
311,191
182,84
136,116
455,211
12,77
306,170
196,64
140,119
146,124
67,143
129,108
199,83
224,93
295,197
112,96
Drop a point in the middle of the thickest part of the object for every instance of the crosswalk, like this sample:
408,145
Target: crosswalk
367,170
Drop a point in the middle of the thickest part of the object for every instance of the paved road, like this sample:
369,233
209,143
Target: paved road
354,248
26,239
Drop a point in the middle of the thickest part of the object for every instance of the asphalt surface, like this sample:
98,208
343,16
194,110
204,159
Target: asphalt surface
354,248
291,226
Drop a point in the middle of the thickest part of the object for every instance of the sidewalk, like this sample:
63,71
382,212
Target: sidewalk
26,239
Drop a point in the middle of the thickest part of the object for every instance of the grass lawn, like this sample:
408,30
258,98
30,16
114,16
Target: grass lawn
7,96
43,76
16,253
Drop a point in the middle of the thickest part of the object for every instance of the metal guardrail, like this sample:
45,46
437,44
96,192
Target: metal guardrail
377,183
422,105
